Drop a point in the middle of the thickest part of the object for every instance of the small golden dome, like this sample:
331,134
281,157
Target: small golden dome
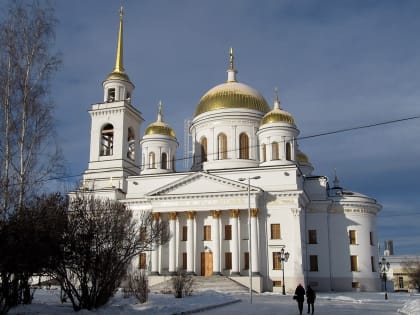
231,95
302,157
159,128
118,75
277,115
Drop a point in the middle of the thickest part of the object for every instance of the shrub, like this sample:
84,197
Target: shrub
182,284
138,285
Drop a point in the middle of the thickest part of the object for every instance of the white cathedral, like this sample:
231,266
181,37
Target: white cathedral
250,202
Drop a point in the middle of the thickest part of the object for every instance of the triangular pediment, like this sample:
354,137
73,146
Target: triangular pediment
200,183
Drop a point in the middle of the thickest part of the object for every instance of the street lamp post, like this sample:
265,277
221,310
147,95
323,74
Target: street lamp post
384,267
284,257
248,179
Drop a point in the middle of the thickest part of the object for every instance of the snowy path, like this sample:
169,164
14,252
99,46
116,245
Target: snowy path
325,305
46,302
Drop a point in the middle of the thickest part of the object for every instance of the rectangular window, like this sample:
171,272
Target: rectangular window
276,261
142,261
352,237
371,238
401,282
275,231
246,261
355,285
353,263
313,263
143,233
228,261
184,261
312,237
184,233
228,232
207,232
372,263
277,283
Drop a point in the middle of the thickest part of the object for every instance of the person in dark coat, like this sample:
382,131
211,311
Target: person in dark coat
300,297
310,298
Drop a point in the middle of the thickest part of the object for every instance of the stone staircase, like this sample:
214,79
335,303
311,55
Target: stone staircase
212,283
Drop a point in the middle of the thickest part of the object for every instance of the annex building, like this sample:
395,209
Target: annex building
250,196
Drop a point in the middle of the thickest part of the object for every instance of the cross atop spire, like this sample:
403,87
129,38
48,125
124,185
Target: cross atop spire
336,181
231,58
276,98
231,71
160,112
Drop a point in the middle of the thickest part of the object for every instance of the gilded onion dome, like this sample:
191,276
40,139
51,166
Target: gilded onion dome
159,127
277,114
302,157
231,94
119,72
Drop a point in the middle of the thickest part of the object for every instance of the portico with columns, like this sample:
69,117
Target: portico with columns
201,231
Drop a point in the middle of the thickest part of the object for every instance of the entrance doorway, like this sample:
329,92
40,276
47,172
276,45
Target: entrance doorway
206,264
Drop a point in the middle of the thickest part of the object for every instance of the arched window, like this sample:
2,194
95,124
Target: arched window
288,151
107,140
203,144
263,153
143,161
222,143
152,160
111,95
131,144
164,161
243,146
274,151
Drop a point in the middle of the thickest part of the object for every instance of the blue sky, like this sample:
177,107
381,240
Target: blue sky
337,65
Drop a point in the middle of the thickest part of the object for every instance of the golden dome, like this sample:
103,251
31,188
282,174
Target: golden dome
118,75
277,115
302,157
231,94
159,127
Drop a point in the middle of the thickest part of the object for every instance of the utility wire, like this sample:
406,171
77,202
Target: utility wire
359,127
322,134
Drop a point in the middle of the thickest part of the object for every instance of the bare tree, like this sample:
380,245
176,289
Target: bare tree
31,240
101,240
28,151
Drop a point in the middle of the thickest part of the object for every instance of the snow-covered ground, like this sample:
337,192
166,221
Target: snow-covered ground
209,302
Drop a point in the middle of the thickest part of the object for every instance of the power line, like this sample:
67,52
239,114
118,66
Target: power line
321,134
360,127
400,215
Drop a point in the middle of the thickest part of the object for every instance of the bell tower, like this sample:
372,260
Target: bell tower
115,130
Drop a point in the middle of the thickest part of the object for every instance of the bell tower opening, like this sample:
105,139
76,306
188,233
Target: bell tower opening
107,140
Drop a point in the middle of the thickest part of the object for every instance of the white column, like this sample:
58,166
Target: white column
213,154
234,214
254,240
155,252
283,149
216,241
172,242
297,252
190,241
